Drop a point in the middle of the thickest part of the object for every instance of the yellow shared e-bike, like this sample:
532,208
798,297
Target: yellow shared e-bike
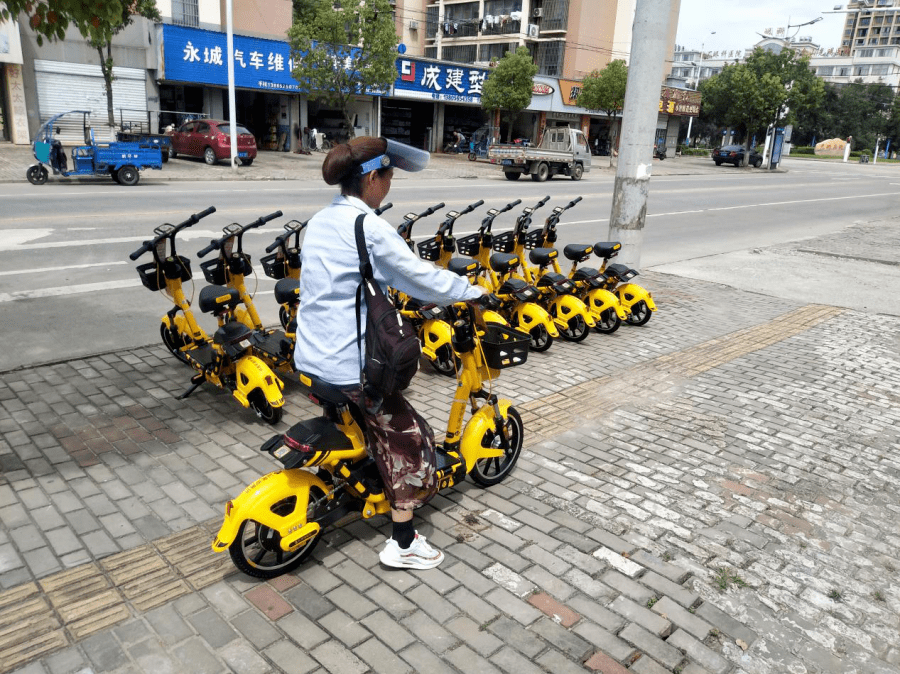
275,523
226,360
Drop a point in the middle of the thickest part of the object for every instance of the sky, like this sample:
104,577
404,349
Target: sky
737,22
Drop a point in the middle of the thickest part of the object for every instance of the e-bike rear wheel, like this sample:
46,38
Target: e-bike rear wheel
576,329
608,322
487,472
173,342
445,361
257,549
263,408
640,313
541,340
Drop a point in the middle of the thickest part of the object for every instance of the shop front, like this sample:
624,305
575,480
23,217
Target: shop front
674,103
431,100
193,78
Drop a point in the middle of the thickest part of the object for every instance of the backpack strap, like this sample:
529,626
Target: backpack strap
365,268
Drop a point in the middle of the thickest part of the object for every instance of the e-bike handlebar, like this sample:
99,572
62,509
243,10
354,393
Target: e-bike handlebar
381,209
217,244
405,230
149,245
447,226
553,218
489,220
289,230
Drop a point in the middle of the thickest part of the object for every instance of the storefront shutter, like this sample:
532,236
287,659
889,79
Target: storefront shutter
79,86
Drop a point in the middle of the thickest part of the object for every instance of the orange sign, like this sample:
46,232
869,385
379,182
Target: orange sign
681,102
569,90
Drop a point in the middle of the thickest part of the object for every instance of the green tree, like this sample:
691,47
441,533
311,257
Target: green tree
863,112
339,53
508,86
98,21
605,90
767,88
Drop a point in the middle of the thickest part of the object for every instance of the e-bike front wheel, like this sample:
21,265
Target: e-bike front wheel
257,549
576,329
541,339
608,322
445,361
263,408
487,472
640,313
173,342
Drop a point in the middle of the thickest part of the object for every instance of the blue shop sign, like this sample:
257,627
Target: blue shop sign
438,81
201,56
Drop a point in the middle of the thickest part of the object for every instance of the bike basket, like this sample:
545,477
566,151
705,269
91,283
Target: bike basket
534,239
469,245
505,243
214,272
273,267
504,347
151,276
430,250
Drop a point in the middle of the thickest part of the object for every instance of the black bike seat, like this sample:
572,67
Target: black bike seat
542,256
322,390
318,434
287,291
213,298
463,266
578,251
607,248
504,262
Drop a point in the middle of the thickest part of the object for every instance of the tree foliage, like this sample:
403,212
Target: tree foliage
339,53
767,88
605,90
508,86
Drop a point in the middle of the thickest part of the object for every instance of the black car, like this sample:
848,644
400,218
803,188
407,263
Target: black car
734,154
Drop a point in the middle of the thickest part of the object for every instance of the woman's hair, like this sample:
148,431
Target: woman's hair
343,162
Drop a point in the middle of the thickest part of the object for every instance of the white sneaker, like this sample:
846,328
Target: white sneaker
419,555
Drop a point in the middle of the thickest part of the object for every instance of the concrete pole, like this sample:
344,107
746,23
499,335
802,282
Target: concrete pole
639,115
232,113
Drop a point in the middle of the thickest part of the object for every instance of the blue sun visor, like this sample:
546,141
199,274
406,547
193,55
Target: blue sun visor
399,155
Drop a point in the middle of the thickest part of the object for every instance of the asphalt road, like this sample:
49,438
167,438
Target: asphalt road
68,289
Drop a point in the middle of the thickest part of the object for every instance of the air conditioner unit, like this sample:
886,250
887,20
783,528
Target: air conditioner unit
414,25
537,11
532,30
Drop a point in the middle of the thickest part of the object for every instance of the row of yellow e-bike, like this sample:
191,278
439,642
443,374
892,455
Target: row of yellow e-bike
275,523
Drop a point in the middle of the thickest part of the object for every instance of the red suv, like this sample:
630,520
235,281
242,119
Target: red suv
211,139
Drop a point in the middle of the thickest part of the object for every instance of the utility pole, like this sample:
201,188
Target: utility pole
639,115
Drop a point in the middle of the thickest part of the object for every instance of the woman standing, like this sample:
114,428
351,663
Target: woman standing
400,440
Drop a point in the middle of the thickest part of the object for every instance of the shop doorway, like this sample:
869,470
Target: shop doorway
408,122
262,114
4,115
465,118
179,104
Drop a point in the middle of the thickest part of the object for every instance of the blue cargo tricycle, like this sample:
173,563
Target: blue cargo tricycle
121,161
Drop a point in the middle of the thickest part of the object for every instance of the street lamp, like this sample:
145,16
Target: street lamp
696,86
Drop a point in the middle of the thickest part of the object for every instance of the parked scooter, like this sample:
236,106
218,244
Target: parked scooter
637,301
589,282
517,297
226,360
557,293
277,521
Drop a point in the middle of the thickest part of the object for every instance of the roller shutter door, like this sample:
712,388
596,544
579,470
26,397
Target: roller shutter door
79,86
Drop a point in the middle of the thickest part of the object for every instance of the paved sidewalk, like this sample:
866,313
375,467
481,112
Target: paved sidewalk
714,492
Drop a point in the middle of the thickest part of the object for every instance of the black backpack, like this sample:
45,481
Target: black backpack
392,347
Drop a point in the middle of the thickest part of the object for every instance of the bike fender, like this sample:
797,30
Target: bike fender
435,334
599,300
481,422
243,316
569,306
636,293
256,501
252,373
529,314
489,316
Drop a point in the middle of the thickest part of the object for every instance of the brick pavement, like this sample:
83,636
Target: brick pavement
716,493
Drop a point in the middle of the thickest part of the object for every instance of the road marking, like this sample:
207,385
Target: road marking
67,290
56,269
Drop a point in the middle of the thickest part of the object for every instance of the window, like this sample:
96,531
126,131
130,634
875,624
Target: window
431,23
862,70
550,58
862,32
865,52
495,52
843,71
824,71
556,15
865,22
185,13
881,70
431,52
462,53
884,52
